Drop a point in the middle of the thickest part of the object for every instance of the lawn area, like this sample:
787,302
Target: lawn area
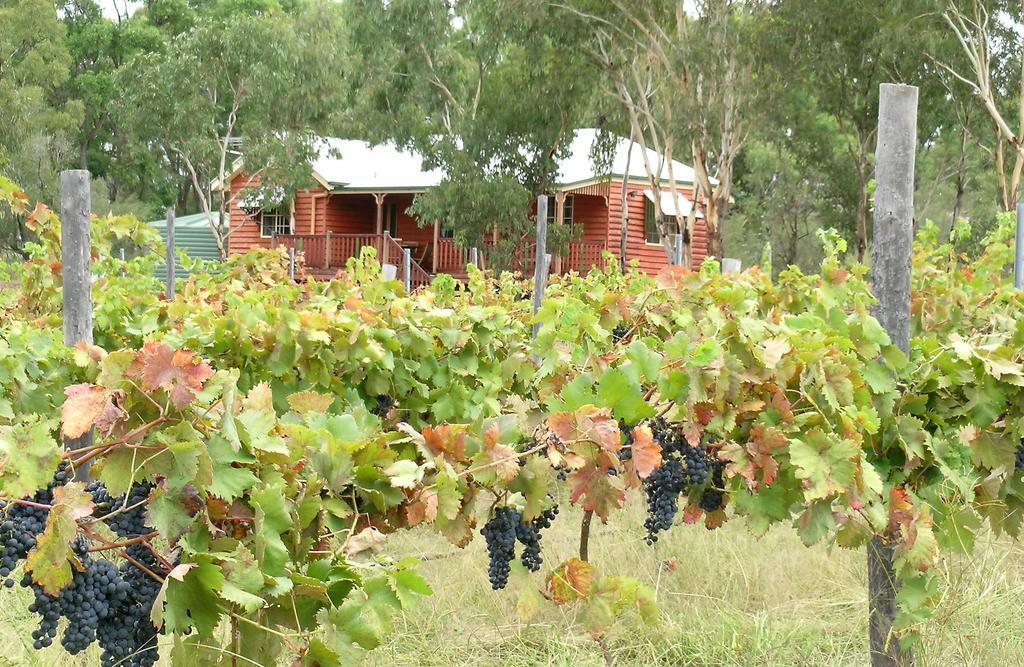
732,600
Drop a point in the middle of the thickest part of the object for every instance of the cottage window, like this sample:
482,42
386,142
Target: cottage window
274,221
553,205
653,236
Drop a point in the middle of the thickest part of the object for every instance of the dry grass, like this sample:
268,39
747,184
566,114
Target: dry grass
733,600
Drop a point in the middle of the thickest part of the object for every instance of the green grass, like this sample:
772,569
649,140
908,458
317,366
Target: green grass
732,600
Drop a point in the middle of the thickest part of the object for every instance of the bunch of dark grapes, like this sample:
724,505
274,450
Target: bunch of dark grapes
713,498
529,535
104,602
626,452
619,332
1018,462
663,487
383,406
127,515
500,534
682,466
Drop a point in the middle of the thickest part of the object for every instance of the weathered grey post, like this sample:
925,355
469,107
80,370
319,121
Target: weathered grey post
407,268
890,278
75,251
170,254
328,250
679,249
474,257
540,264
1018,251
291,262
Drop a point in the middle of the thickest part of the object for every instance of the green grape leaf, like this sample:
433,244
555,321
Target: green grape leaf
51,558
624,396
189,598
827,463
30,455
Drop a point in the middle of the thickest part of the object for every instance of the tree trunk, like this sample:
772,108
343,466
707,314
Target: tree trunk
961,176
862,210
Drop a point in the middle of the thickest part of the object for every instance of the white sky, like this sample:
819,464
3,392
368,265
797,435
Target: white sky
108,6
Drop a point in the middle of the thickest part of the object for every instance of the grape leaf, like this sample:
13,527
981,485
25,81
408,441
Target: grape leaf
272,521
624,396
754,461
570,581
646,453
51,558
86,405
158,366
30,454
601,492
828,464
446,439
610,597
310,401
191,597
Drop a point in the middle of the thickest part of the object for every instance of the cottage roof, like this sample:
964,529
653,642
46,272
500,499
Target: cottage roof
347,164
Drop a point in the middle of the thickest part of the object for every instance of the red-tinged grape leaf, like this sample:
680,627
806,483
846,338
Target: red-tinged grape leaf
826,462
692,432
309,401
901,509
562,424
570,581
704,411
28,455
496,461
646,453
158,366
86,354
50,559
84,405
780,402
446,439
917,549
589,424
424,508
601,493
716,519
753,461
692,514
192,598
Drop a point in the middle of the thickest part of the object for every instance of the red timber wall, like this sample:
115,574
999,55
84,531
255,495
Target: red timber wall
652,257
589,218
245,230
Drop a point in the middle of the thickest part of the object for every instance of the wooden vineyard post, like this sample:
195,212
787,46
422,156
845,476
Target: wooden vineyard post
170,255
76,274
1018,250
893,232
540,265
407,268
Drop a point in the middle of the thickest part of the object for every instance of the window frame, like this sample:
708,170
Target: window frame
650,224
569,208
280,213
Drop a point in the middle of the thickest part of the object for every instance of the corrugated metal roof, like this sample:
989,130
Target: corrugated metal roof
362,166
192,234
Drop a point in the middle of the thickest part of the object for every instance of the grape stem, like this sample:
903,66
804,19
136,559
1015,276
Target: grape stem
92,451
126,543
29,503
585,535
123,554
